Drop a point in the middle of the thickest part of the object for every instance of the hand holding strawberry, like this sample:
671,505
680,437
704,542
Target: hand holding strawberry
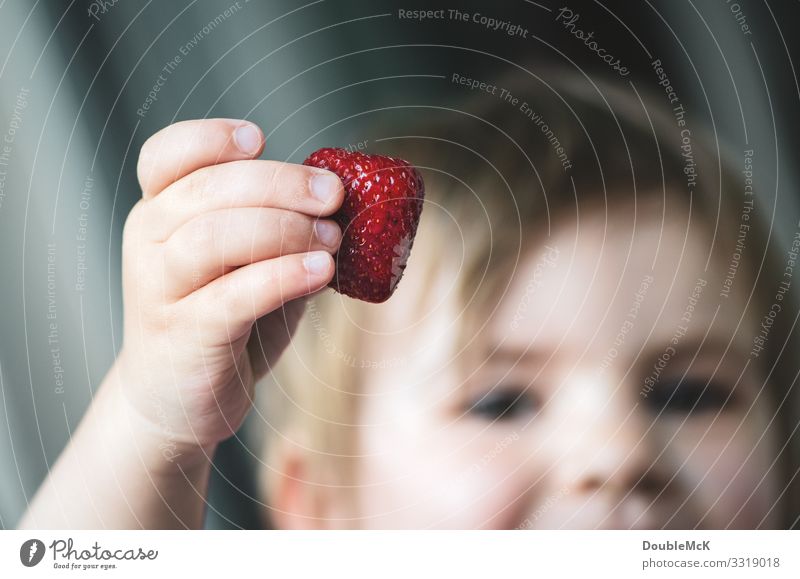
219,249
215,256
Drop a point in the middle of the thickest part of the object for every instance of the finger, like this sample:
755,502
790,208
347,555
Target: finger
269,338
256,183
212,244
228,306
184,147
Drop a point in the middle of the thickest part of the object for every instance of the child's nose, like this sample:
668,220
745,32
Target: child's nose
621,464
609,450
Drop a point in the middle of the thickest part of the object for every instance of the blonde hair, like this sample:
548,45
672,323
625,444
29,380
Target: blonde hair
499,174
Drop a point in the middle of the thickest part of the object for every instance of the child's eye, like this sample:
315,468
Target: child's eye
689,395
503,404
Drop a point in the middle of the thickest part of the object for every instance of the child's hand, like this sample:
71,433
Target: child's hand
218,242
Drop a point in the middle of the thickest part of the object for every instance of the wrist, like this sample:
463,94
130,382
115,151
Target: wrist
159,448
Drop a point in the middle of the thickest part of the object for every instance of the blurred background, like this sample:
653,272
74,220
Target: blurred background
83,84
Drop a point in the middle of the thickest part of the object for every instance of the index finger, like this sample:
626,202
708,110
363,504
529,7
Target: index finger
185,146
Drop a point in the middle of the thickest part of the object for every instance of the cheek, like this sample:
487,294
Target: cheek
727,472
432,476
496,479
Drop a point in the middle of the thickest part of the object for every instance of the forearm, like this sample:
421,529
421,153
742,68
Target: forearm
118,472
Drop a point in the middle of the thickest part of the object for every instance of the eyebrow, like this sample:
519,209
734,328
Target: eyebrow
689,347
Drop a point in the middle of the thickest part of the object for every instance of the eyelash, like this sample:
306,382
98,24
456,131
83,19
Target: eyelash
503,404
690,396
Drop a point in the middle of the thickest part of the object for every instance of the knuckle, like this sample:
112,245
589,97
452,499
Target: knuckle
299,231
175,253
287,182
270,173
197,183
285,226
189,250
224,300
288,273
204,233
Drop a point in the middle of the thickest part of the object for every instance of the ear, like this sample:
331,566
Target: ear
297,501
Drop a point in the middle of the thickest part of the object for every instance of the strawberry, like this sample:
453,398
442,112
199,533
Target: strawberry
379,218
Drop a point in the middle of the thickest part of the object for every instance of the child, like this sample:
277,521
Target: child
568,347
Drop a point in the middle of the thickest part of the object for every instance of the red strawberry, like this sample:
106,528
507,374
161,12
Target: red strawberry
379,218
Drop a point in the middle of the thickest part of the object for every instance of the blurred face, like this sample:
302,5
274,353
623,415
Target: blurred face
607,390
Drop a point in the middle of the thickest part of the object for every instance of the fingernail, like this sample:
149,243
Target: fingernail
324,186
327,232
248,139
316,263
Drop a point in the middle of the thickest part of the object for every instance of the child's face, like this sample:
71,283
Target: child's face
590,437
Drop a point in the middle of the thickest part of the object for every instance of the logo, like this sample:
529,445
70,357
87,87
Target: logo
31,552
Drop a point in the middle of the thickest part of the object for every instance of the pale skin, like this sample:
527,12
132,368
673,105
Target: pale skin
578,447
219,243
